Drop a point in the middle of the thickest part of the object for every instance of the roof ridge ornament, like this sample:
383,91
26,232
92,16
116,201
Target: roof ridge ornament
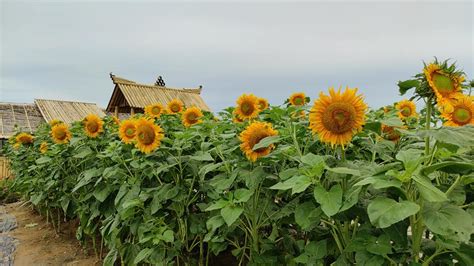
160,82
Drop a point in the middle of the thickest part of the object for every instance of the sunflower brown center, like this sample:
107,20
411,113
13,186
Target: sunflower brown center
92,126
462,115
130,132
146,135
247,108
192,118
60,134
443,83
406,111
338,117
156,110
175,108
261,105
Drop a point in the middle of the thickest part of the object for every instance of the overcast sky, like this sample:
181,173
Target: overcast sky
65,51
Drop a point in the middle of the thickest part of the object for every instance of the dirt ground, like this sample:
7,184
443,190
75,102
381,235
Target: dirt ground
39,244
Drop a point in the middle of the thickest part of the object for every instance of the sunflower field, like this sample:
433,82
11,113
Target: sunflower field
328,182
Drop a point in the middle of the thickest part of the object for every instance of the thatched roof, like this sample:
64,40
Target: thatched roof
129,94
66,111
16,117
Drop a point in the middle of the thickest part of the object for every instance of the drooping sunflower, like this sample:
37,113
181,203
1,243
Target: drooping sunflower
54,122
93,125
262,104
247,106
191,116
127,130
43,147
147,135
443,84
154,110
60,133
175,106
236,118
297,99
252,135
24,138
461,114
390,133
338,116
406,109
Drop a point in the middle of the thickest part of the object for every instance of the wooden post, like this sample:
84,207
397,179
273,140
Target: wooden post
116,111
132,111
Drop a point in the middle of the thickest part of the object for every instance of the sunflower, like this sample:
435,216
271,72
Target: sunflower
148,135
43,147
16,146
390,133
191,116
338,116
406,109
175,106
461,114
262,104
247,107
24,138
443,84
93,125
297,99
387,109
54,122
154,110
116,120
252,135
236,118
127,130
60,133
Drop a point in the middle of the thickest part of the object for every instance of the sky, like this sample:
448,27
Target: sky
59,50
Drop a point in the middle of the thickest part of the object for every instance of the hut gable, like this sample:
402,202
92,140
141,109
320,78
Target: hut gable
16,117
66,111
130,96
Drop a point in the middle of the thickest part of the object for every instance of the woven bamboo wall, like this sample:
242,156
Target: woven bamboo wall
4,168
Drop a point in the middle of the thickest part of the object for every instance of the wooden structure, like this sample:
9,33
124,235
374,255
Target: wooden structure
16,117
66,111
131,97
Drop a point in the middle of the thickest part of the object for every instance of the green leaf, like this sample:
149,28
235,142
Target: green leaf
410,158
381,246
265,142
111,257
102,194
65,203
448,220
384,212
459,136
202,156
307,214
379,182
231,214
143,254
392,122
404,86
87,178
344,170
451,167
221,203
83,153
168,236
43,160
427,190
330,201
312,159
242,195
296,183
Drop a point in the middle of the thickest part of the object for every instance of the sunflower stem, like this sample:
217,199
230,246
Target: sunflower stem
429,106
343,153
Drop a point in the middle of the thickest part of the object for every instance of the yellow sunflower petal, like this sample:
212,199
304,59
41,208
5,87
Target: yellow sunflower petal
175,106
93,125
43,147
148,135
337,117
24,138
127,131
60,133
462,113
262,104
154,110
297,99
247,107
406,109
252,135
191,116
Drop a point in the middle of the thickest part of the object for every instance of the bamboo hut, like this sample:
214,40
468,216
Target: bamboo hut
16,117
66,111
130,97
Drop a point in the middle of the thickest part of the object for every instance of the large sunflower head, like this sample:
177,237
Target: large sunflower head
338,116
127,130
252,135
461,114
43,147
154,110
147,135
191,116
262,104
93,125
60,133
443,83
406,109
24,138
247,106
175,106
297,99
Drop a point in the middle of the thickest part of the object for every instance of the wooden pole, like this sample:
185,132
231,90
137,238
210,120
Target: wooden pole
116,111
132,111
